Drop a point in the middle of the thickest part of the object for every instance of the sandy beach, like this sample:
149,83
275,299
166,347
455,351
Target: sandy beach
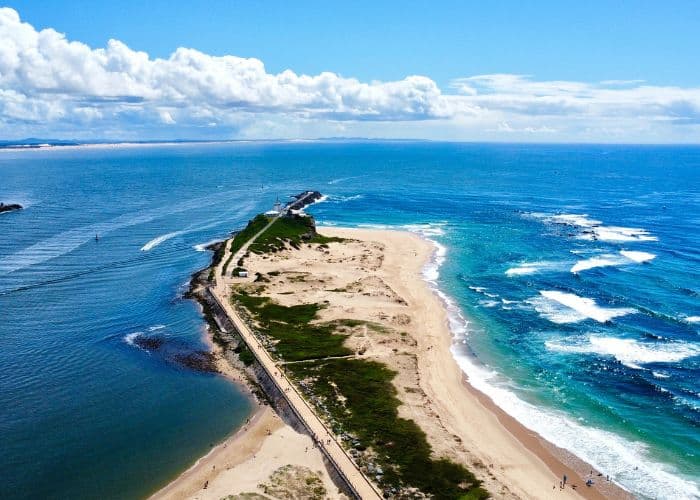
376,277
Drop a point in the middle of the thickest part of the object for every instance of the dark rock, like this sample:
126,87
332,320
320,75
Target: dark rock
149,343
201,361
10,207
304,199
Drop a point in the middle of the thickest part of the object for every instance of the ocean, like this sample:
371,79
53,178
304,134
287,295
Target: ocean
571,274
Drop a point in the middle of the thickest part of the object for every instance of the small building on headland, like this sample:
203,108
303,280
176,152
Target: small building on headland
276,209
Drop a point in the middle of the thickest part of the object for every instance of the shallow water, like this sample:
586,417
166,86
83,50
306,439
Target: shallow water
578,267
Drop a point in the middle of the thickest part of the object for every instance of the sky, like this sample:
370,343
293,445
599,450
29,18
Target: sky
545,71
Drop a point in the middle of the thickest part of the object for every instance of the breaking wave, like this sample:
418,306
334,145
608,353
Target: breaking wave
561,307
529,268
625,461
631,353
202,247
625,257
130,338
595,230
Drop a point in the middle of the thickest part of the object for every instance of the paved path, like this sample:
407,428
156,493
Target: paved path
325,439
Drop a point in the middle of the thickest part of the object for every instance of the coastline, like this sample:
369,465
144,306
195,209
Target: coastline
244,460
559,460
513,461
521,460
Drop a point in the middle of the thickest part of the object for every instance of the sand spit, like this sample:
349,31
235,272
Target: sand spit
376,277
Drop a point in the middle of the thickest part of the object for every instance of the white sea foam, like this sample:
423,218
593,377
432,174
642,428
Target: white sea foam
625,257
129,338
523,269
618,234
426,230
155,328
489,303
637,256
560,307
629,352
202,247
692,319
591,229
625,461
343,179
339,198
320,200
660,374
578,220
528,268
593,262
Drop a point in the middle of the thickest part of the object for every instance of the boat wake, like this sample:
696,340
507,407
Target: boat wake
67,241
160,239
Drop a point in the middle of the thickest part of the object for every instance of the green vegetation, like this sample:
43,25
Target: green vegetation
293,230
297,338
245,354
359,394
254,227
359,398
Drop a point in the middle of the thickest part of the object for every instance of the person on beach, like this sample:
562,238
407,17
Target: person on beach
564,480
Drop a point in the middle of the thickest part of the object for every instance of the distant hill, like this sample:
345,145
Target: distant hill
33,142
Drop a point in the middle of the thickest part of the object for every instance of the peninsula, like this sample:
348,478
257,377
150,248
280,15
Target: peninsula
347,352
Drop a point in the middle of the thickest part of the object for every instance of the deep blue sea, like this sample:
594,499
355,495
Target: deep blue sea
571,273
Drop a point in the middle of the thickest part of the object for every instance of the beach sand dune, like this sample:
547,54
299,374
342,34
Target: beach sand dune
375,276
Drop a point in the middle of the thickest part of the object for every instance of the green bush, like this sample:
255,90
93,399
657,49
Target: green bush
369,410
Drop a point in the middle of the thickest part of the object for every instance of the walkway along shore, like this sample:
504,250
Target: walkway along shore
358,484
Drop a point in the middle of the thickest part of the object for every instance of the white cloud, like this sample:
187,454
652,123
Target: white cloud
52,86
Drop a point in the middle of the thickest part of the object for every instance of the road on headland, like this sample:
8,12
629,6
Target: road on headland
323,436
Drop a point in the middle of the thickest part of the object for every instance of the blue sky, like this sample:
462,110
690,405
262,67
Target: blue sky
591,60
655,41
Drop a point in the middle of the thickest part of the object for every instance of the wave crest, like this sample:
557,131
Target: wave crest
561,307
631,353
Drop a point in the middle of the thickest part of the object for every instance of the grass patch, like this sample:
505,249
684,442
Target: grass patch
357,395
368,410
354,323
254,227
293,230
297,338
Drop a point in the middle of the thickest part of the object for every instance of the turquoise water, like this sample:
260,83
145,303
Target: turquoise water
603,360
